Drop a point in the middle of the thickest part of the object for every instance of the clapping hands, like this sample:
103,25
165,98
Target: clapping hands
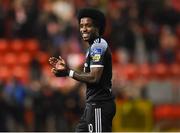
59,67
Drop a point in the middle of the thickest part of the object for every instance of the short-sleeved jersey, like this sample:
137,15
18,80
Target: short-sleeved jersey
99,55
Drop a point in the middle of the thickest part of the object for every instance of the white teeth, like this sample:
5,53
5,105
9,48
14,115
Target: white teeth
85,35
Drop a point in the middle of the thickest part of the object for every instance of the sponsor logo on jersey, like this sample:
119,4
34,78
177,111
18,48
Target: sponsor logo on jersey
96,57
96,51
96,54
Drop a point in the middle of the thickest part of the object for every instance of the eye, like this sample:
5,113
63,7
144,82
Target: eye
81,26
89,25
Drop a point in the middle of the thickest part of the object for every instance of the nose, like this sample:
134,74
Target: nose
83,29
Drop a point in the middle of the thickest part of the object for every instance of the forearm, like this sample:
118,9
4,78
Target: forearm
84,77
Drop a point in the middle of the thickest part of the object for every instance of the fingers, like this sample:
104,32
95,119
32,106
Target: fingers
62,59
53,70
53,61
57,64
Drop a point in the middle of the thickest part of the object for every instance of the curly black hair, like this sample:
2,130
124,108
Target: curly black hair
97,16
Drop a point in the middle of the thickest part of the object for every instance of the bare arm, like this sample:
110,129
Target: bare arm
91,77
60,70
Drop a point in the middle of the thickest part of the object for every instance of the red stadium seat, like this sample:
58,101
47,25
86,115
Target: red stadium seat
160,71
32,46
1,59
178,57
175,70
47,70
145,71
5,73
114,57
162,112
43,57
21,72
17,45
131,71
24,58
167,112
3,46
118,72
10,59
176,112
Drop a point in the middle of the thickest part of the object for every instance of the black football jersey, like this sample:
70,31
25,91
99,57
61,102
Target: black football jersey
99,55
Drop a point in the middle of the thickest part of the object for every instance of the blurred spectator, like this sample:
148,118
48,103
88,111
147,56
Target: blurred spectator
24,15
63,9
35,70
43,107
15,94
168,45
3,110
118,23
168,15
2,20
151,33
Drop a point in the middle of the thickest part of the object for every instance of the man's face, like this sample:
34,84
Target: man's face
87,29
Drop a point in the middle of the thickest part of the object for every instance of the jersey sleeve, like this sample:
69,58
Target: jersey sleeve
97,53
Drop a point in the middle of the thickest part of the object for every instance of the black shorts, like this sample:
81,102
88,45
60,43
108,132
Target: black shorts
97,117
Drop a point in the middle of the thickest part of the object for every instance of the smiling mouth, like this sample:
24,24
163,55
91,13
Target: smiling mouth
85,35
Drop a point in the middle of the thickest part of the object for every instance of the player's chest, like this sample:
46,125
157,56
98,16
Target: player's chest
87,62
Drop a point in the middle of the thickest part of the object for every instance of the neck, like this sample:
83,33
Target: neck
91,41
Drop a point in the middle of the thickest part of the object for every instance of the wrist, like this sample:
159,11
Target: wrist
71,73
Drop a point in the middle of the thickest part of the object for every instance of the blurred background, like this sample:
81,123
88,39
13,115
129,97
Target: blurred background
144,36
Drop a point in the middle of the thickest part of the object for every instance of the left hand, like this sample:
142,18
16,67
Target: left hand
59,66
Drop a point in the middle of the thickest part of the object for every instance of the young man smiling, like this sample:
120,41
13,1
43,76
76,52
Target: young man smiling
100,107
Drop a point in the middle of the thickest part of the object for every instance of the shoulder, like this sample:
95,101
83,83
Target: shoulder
100,44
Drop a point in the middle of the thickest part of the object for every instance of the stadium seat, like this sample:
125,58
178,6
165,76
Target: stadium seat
175,70
21,72
5,73
162,112
1,59
32,46
24,58
160,71
131,71
17,45
10,59
114,57
176,112
42,57
118,72
166,117
3,46
145,71
167,112
46,69
178,57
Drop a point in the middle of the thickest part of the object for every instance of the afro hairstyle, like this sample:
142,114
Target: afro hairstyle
96,15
